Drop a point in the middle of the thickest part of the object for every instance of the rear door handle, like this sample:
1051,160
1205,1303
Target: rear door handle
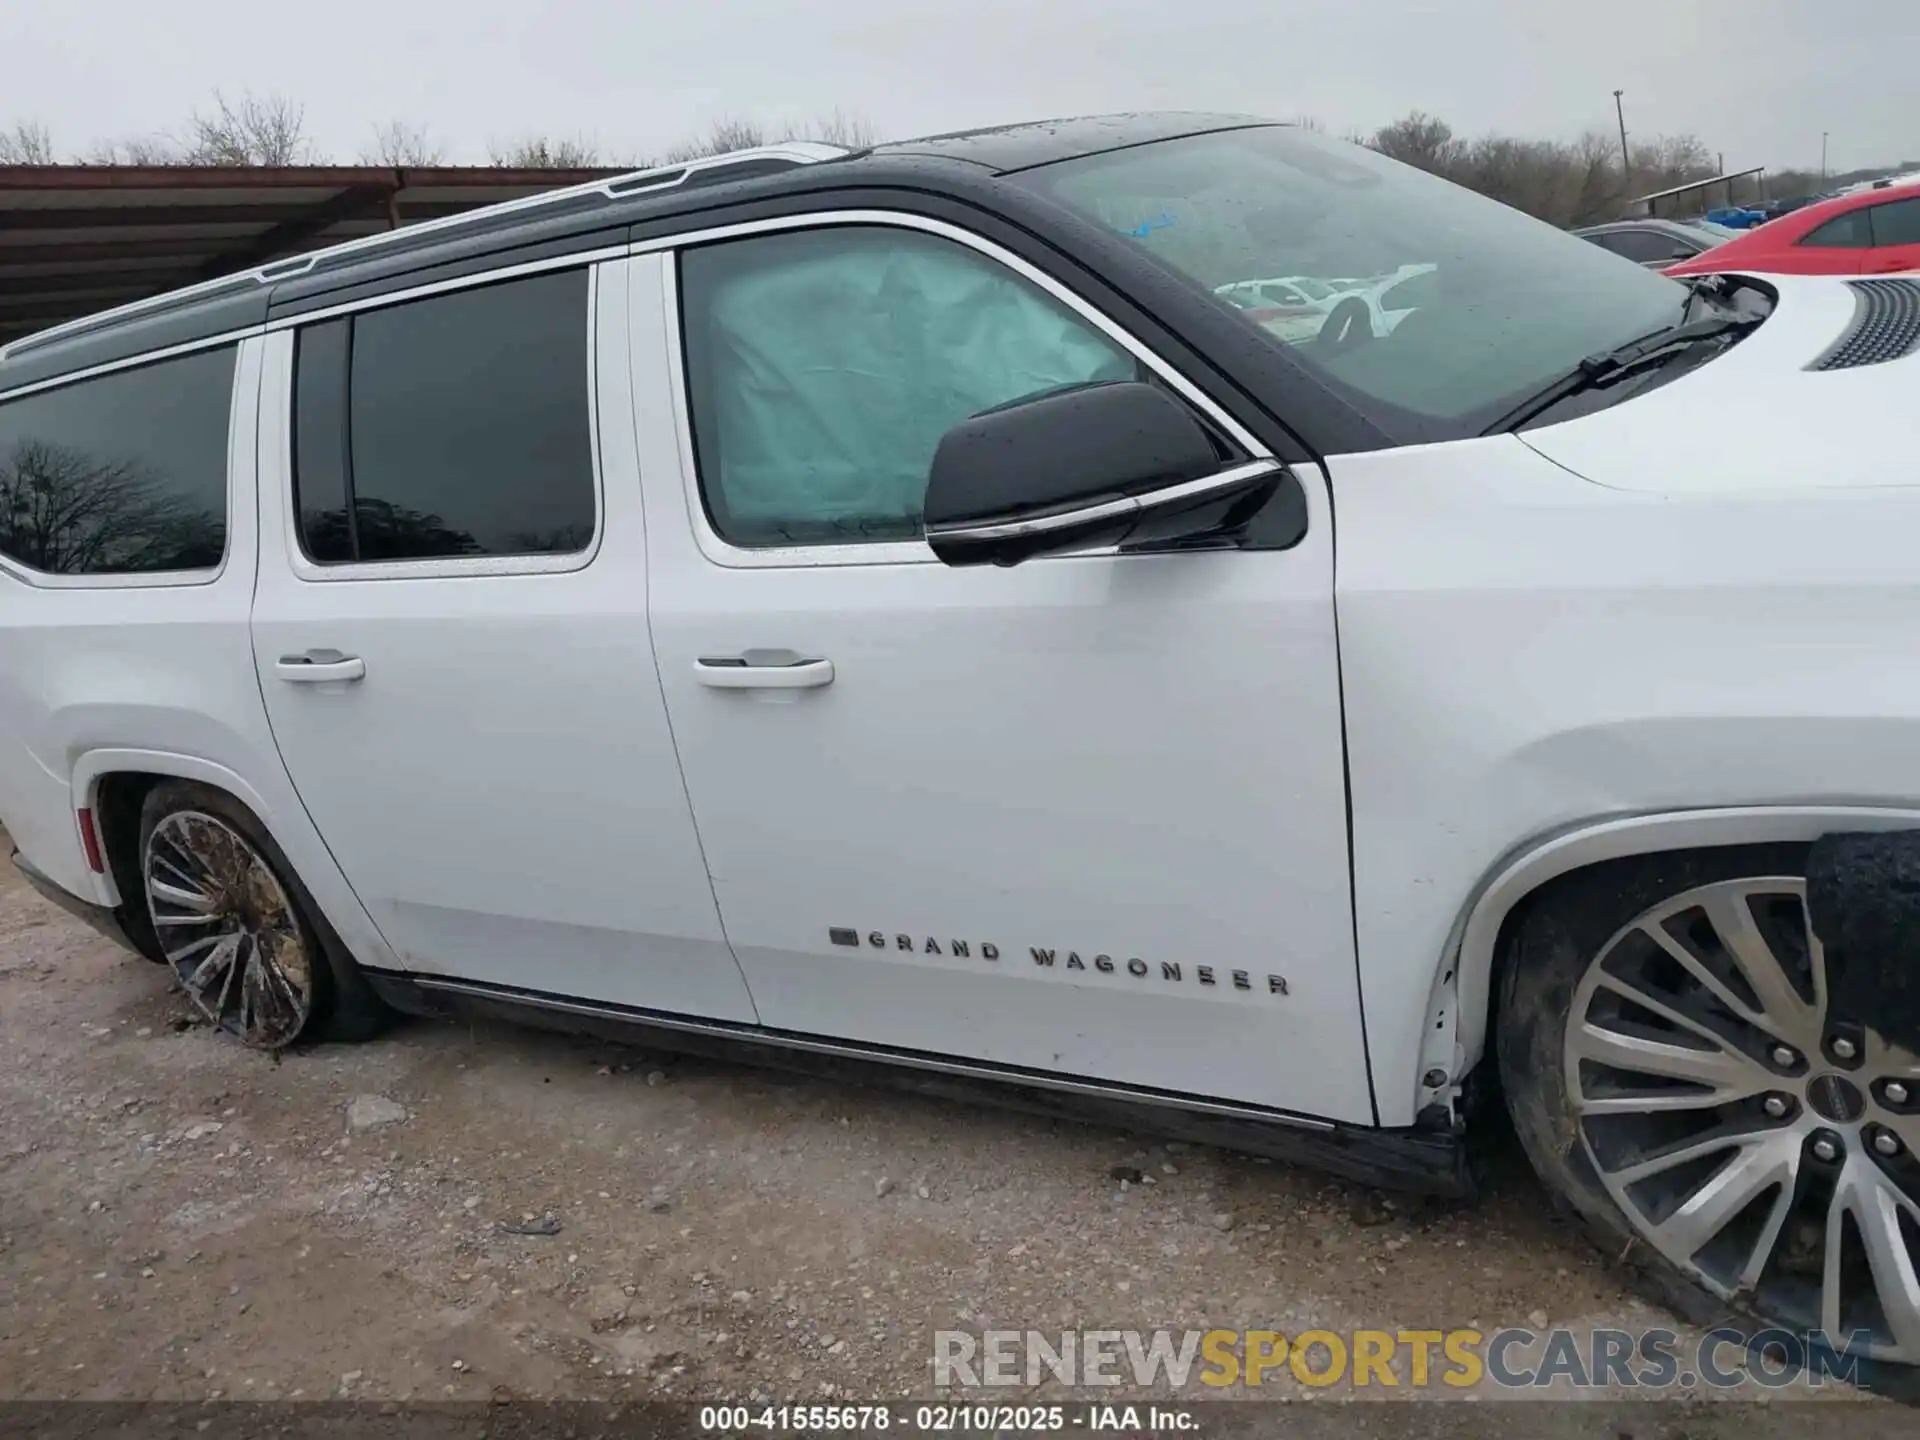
317,667
762,670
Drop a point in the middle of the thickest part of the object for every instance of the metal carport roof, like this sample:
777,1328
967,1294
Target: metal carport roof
75,239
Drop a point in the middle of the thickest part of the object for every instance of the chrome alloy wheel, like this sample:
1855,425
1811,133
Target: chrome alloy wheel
228,929
1759,1146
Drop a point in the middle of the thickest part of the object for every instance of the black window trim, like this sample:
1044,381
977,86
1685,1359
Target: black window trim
441,567
666,250
245,361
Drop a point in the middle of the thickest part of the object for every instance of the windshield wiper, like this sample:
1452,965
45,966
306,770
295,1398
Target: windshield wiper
1597,372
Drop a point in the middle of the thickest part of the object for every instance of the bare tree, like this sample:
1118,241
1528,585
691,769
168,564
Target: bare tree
838,127
545,152
723,136
1419,139
1596,188
730,133
398,143
28,142
254,130
64,512
1565,183
137,150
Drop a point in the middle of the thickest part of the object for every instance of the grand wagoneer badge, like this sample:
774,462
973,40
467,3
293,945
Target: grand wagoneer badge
1166,971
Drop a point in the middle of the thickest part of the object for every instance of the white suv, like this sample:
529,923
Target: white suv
890,607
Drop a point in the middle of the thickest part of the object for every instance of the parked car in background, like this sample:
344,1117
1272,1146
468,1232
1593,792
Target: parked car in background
1657,243
1870,232
1737,217
1774,209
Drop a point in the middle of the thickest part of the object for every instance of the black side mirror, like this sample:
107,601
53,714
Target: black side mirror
1073,469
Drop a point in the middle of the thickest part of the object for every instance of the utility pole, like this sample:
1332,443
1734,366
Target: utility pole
1823,157
1626,161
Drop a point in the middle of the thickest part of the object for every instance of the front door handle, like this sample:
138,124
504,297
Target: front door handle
762,670
317,667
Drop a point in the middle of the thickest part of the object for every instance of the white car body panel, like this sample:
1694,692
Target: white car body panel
1526,651
1658,443
102,677
999,760
501,787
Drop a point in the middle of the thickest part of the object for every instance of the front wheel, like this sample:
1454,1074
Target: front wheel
1672,1071
238,930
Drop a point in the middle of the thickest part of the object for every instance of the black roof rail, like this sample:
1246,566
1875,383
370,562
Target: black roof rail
742,164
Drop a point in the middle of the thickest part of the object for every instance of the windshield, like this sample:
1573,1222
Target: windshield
1503,304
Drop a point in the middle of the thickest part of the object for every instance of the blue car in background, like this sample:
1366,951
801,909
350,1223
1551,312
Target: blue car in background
1737,217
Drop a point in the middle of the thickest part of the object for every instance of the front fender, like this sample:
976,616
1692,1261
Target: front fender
1472,945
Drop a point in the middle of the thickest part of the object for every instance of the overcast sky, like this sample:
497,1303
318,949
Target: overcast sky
1758,80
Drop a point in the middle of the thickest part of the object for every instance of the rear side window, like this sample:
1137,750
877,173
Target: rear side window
453,426
125,474
1850,231
1896,223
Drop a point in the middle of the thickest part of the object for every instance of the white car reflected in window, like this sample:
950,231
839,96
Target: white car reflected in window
1296,308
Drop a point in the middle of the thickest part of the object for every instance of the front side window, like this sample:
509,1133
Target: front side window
1513,302
125,474
823,366
1851,231
458,425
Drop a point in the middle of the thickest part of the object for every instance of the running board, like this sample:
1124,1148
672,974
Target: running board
1426,1161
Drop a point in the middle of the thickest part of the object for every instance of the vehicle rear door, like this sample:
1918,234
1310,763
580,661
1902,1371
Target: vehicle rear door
1896,237
1083,816
450,631
1839,246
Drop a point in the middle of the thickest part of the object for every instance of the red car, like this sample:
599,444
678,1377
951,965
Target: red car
1873,232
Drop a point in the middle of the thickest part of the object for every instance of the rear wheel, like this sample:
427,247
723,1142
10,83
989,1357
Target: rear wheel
241,935
1673,1072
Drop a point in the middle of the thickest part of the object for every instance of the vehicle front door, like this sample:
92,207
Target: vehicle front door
450,631
1083,816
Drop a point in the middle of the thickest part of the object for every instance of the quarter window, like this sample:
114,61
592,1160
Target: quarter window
823,366
458,425
125,474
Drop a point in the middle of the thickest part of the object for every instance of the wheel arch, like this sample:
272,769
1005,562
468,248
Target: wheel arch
99,774
112,781
1465,977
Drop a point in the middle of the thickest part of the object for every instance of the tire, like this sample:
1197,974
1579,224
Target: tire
1719,1207
247,945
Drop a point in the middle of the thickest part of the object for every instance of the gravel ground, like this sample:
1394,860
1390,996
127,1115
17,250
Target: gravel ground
183,1220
